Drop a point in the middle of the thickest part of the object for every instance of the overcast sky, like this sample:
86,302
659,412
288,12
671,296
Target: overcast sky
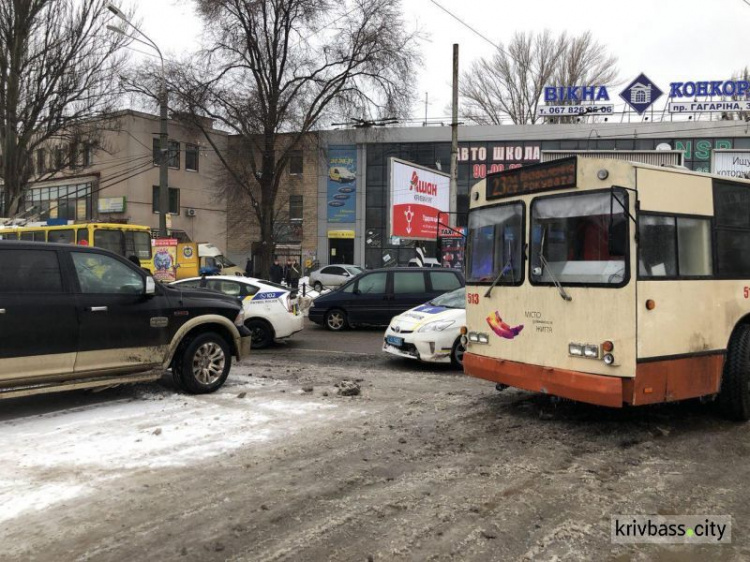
669,40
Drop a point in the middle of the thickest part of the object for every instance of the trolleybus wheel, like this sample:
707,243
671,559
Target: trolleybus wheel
734,395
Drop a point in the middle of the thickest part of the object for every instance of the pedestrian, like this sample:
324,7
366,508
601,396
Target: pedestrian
294,275
288,272
249,267
276,274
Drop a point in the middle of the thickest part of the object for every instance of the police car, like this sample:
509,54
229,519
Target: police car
430,332
271,311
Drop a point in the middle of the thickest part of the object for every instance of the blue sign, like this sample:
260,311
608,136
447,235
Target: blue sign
641,93
342,184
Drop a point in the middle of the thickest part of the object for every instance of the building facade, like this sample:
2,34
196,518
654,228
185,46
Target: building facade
482,150
118,179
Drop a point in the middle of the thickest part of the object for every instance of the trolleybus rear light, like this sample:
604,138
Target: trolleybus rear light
609,359
650,304
608,346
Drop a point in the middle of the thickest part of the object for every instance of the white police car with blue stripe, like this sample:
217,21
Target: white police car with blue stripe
430,332
272,311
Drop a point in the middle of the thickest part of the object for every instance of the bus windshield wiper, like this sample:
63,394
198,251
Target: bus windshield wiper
545,265
508,267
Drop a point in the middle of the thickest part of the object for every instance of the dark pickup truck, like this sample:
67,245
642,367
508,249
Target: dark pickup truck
75,317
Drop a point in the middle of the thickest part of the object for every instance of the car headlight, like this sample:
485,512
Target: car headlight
240,320
436,326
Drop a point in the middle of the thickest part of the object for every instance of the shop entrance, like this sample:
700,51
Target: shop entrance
340,250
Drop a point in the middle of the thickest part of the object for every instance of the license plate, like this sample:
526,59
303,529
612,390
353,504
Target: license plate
393,340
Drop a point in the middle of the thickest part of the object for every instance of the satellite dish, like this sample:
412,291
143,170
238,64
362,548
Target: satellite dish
664,146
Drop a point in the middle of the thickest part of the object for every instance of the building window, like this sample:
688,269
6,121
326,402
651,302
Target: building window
69,202
191,157
59,158
73,155
295,162
86,156
173,151
295,207
174,154
174,200
41,161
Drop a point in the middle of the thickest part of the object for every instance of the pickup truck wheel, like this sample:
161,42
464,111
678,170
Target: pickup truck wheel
262,336
204,363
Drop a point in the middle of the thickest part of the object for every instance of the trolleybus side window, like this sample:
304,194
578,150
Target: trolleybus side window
65,236
580,239
496,244
83,235
111,240
732,219
138,243
674,247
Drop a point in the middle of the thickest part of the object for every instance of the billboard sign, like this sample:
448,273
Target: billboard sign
731,163
341,203
417,196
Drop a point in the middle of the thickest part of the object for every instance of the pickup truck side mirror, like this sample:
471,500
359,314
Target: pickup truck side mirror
150,288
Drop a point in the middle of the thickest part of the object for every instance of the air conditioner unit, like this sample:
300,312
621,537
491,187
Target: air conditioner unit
190,212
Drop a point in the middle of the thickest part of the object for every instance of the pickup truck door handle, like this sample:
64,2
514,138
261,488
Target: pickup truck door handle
98,309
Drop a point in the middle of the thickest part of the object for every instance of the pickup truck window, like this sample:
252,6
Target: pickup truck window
30,271
100,274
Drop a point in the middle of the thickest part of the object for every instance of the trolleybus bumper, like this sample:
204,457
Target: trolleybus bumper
583,387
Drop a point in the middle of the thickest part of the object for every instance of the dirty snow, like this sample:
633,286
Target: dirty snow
56,456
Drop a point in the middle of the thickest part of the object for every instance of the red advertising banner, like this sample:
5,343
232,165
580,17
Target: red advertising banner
417,196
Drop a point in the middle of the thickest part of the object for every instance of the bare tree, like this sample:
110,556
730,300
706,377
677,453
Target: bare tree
57,68
285,66
740,75
510,84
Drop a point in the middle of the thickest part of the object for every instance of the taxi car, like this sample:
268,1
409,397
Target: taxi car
272,311
430,332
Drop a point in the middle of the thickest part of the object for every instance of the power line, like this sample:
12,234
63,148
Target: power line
466,25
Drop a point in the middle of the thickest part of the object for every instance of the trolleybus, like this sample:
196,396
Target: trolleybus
612,283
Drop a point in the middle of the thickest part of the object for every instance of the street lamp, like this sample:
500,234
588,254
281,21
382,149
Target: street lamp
164,116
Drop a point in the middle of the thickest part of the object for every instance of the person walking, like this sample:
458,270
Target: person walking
288,272
249,267
294,275
276,274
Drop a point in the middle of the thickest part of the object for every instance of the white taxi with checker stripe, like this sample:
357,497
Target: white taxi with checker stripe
430,332
271,311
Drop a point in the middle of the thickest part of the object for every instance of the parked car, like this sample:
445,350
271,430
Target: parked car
80,317
374,297
332,276
271,311
430,332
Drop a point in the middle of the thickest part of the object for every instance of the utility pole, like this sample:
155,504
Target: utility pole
164,117
164,162
453,206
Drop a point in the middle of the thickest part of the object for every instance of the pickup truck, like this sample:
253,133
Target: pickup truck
76,317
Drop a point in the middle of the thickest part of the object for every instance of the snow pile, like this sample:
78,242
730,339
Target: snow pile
57,456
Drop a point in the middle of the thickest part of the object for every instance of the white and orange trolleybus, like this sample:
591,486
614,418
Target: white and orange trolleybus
612,283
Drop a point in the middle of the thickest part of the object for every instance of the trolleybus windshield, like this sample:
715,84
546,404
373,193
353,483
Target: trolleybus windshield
580,239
